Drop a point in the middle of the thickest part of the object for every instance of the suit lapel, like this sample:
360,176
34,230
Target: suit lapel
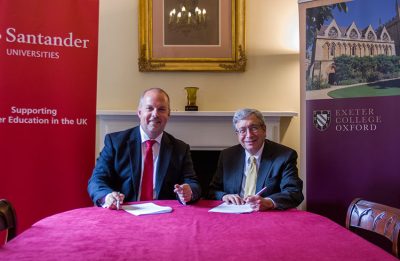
164,158
265,166
135,155
237,170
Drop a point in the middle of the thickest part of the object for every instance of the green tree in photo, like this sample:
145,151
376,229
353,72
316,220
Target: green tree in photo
315,18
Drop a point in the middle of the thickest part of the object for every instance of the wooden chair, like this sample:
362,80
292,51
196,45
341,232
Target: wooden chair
377,218
8,219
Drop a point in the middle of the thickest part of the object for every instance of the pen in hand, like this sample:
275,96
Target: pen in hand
246,200
261,191
182,201
118,202
179,188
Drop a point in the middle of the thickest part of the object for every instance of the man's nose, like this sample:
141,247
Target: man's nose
248,132
154,113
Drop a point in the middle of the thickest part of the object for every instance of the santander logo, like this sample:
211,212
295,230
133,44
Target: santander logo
66,40
27,44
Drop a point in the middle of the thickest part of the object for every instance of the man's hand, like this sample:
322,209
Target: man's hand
113,199
184,192
259,203
233,199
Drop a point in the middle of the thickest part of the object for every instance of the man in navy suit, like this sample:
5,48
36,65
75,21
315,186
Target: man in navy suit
118,173
274,168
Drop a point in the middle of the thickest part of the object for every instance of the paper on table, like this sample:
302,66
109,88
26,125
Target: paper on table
146,208
232,208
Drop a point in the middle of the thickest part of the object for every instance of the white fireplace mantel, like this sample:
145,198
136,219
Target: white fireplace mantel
202,130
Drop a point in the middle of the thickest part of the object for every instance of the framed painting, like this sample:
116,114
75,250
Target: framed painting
192,35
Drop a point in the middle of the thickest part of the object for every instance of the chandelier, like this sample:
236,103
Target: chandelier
187,17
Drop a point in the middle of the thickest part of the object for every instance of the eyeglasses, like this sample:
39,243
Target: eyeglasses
252,128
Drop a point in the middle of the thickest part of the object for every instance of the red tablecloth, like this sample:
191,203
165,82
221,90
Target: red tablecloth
189,233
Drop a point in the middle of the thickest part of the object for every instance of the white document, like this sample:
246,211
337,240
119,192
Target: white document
232,208
146,208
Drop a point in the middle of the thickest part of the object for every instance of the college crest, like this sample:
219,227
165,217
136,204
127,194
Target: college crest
322,119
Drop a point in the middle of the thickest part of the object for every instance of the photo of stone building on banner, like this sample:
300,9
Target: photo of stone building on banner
353,49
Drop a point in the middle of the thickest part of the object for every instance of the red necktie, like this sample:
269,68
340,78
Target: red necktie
147,179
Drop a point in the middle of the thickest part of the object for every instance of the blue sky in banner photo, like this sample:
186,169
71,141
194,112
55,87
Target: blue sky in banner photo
366,12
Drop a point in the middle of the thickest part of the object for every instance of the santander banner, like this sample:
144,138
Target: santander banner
48,74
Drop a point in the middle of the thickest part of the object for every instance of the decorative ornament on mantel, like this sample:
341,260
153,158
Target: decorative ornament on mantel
191,99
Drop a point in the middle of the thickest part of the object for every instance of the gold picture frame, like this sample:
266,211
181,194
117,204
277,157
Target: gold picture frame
226,54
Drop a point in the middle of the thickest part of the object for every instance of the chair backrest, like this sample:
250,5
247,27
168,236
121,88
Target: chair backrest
8,219
378,218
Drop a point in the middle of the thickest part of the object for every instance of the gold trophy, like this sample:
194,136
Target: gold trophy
191,99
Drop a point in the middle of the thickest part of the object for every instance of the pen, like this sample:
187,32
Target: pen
177,188
118,201
257,194
261,191
181,200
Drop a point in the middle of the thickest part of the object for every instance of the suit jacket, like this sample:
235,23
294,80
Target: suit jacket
278,172
119,166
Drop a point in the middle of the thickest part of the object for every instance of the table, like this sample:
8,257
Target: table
189,233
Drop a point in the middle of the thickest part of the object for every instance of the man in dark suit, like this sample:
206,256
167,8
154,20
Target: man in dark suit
119,173
255,164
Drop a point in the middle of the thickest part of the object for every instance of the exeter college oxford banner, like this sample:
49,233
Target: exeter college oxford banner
350,80
48,74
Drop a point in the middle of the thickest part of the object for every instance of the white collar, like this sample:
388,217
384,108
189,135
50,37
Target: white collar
257,155
144,136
